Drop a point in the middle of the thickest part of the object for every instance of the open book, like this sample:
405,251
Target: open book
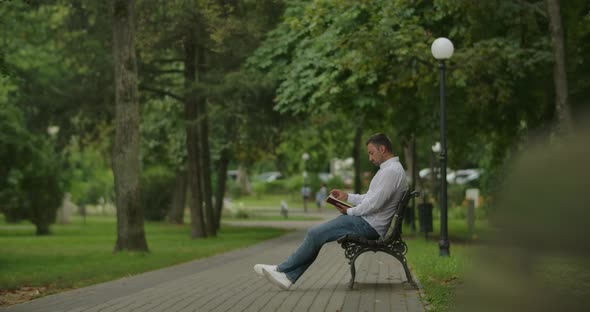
337,202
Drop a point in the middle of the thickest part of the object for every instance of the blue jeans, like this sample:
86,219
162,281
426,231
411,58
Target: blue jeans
317,236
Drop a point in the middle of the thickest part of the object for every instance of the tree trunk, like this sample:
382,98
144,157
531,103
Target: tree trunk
356,155
414,180
562,108
125,160
409,158
243,180
221,181
204,157
42,228
223,164
198,228
176,212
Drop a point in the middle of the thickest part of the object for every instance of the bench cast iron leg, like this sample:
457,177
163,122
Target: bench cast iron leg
352,272
407,270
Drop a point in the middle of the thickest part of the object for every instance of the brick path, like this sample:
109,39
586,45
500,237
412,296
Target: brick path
227,283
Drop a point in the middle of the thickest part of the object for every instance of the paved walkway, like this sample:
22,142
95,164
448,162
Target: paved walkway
227,283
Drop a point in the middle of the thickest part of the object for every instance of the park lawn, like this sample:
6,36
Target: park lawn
440,276
271,201
261,217
78,254
565,277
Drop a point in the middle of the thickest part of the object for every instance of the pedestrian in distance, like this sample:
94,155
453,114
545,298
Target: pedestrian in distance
320,196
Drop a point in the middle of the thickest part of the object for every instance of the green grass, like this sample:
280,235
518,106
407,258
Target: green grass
256,217
440,276
520,274
272,201
80,254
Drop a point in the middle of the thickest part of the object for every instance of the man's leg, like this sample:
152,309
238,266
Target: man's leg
317,236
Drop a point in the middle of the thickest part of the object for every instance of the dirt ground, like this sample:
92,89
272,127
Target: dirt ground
14,296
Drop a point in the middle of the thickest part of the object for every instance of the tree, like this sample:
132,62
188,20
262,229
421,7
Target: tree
32,179
163,144
206,42
562,106
130,231
193,140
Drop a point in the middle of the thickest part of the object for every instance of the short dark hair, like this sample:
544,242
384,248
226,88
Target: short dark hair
380,139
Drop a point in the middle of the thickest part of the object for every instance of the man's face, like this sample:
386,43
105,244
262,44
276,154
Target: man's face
376,153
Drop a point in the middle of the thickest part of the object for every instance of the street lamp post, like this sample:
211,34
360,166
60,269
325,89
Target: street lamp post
442,49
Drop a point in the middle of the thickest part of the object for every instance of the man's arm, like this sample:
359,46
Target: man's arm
378,193
354,199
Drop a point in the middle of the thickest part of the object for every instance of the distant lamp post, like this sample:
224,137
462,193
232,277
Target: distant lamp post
435,171
306,191
442,49
305,158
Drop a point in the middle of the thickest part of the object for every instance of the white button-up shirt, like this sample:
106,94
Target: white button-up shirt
378,205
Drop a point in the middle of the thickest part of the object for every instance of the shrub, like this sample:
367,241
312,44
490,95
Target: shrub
91,177
335,182
157,188
241,214
233,189
293,185
259,188
35,187
278,187
45,186
31,175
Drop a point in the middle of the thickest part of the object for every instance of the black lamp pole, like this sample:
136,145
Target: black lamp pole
444,244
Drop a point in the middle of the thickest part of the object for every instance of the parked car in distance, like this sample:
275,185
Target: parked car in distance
462,176
269,176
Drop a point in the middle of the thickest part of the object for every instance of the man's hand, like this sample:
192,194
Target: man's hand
341,209
339,194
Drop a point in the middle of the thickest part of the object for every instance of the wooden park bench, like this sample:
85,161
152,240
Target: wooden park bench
392,243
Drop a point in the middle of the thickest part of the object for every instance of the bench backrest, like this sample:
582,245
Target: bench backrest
395,227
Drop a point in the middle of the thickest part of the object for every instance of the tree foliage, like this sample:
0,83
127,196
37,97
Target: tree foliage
275,78
369,58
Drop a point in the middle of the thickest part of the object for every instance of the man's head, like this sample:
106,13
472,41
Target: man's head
379,148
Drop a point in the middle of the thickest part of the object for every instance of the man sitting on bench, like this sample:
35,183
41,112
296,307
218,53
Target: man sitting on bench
369,217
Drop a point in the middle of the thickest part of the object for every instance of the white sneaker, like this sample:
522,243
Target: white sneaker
279,279
258,268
